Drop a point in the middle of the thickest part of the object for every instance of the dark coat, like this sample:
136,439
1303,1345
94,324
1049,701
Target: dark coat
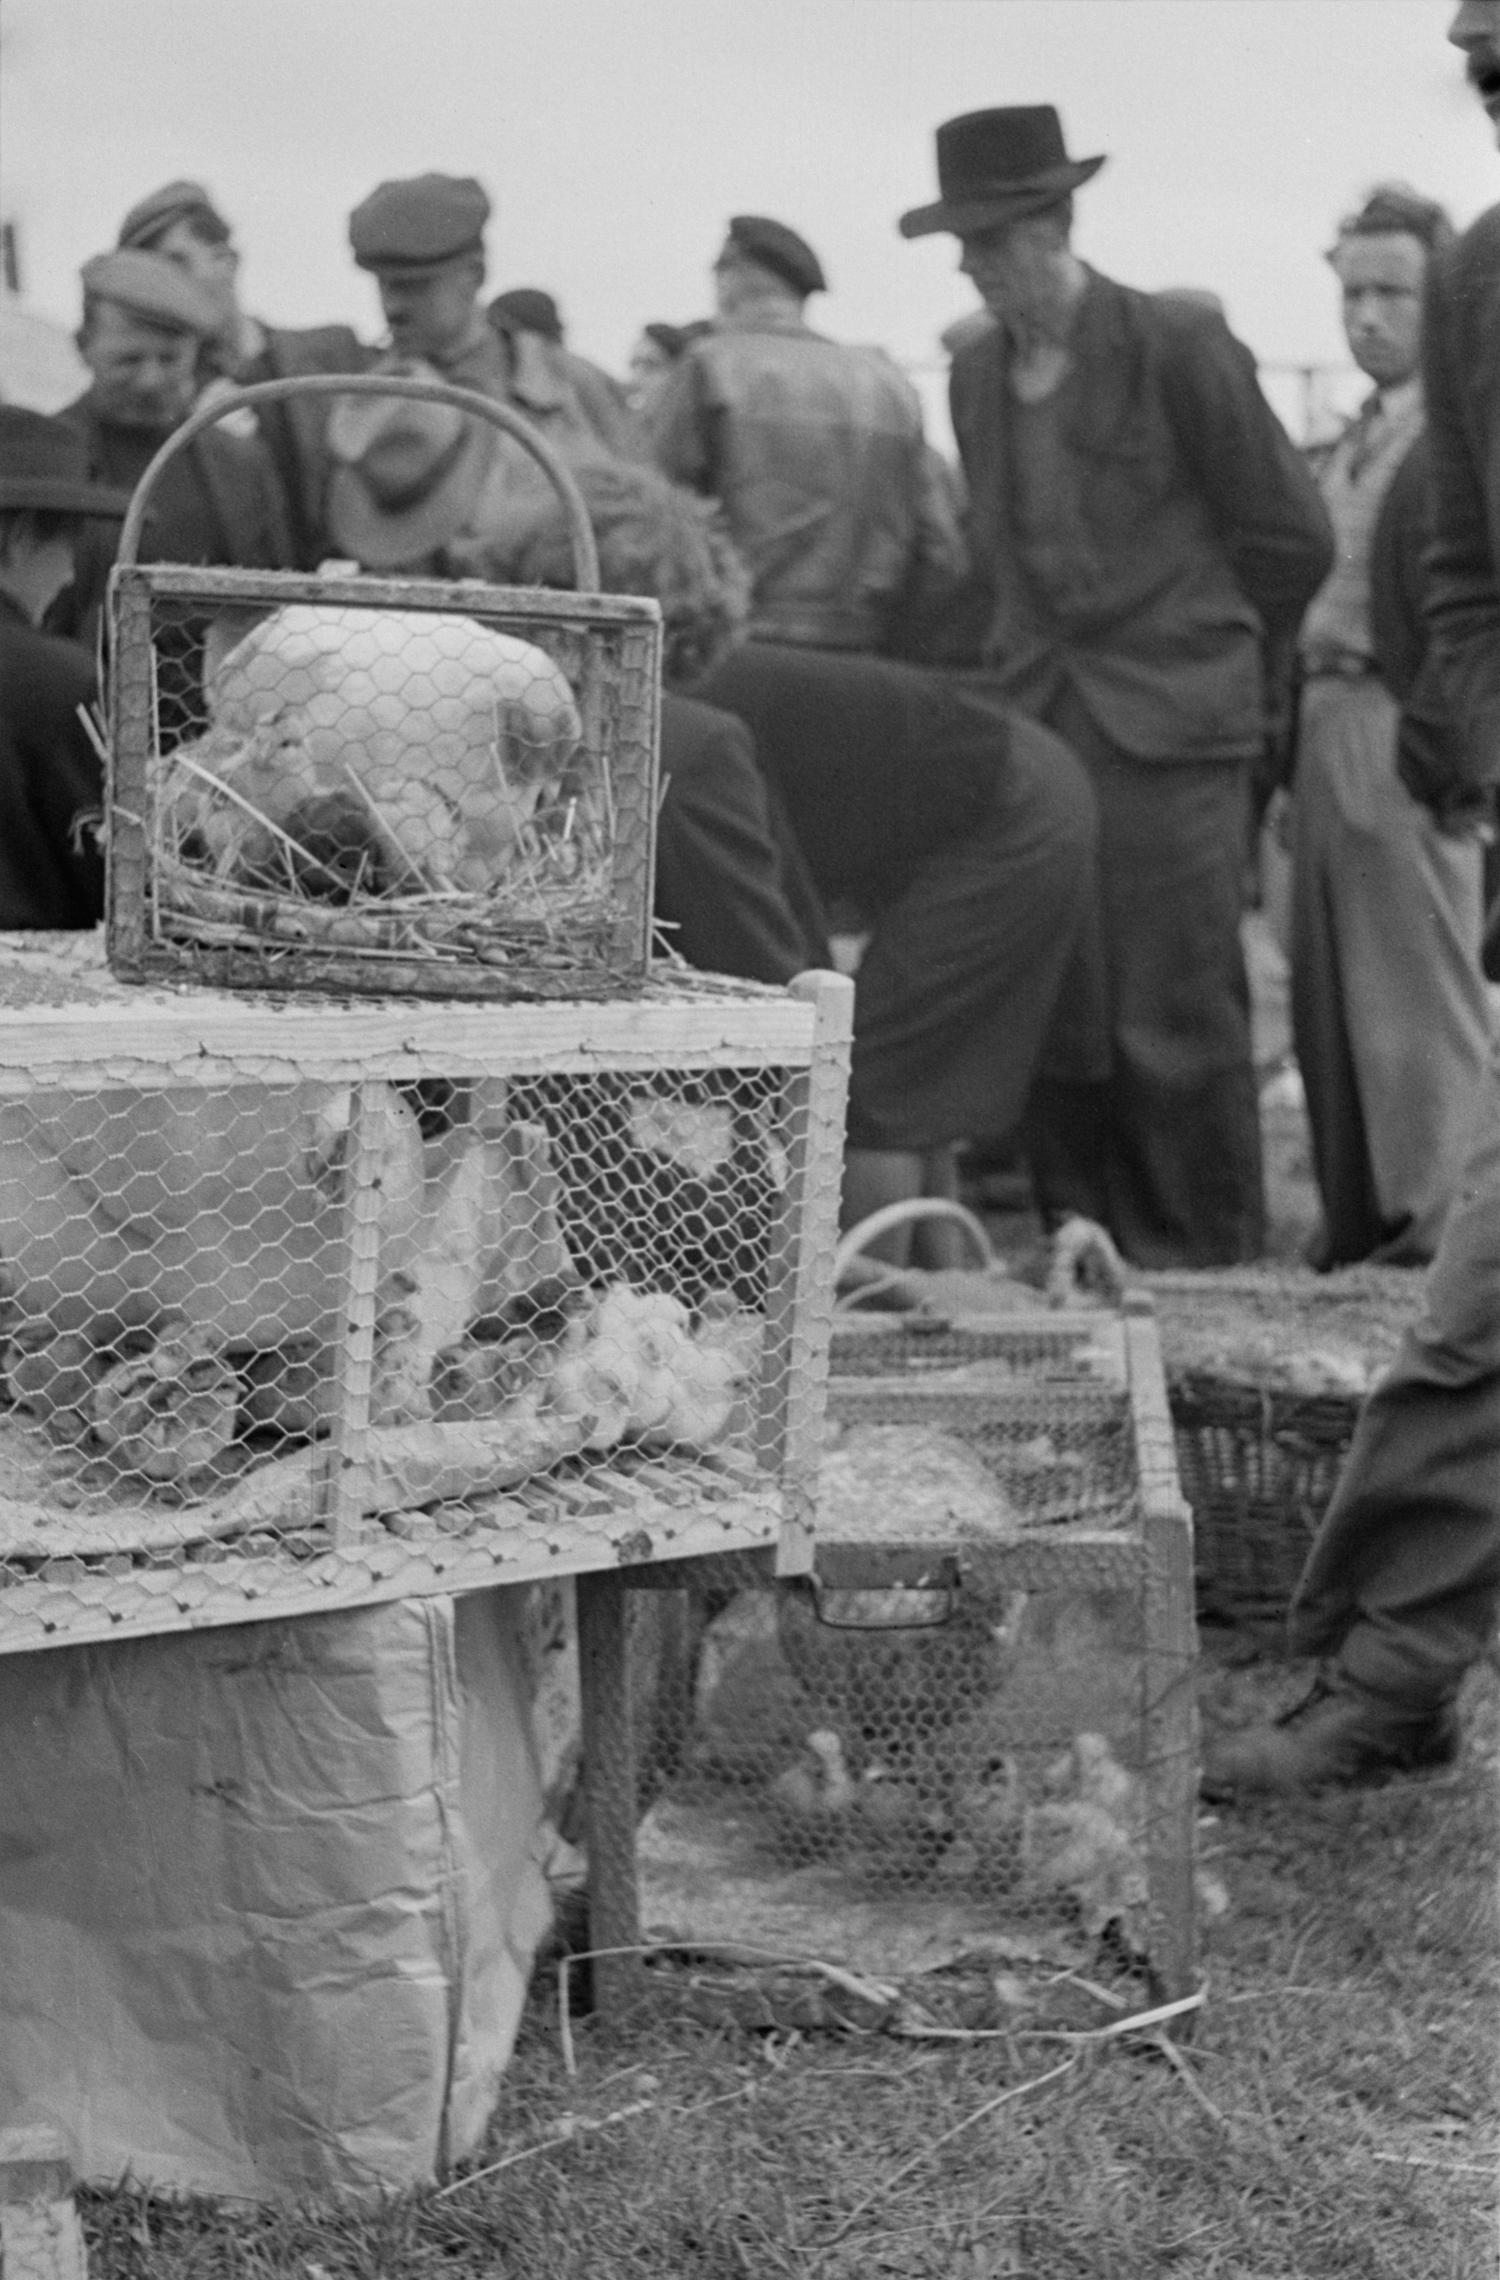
295,432
1461,361
219,501
50,873
1200,537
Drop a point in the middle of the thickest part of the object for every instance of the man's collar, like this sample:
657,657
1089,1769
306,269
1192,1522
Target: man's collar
772,317
11,612
478,342
1027,340
1398,402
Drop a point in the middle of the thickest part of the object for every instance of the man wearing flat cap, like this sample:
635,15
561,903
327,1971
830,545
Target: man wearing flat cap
422,240
815,452
51,871
526,309
145,326
1144,535
182,224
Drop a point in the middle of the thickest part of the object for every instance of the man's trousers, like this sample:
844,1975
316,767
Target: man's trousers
1390,1016
1403,1581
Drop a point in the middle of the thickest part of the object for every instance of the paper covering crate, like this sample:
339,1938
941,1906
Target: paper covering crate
314,1303
380,784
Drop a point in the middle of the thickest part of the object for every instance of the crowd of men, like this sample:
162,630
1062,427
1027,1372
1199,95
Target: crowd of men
1008,723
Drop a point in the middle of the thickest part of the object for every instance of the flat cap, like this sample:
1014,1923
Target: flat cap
173,202
528,309
152,287
420,222
778,249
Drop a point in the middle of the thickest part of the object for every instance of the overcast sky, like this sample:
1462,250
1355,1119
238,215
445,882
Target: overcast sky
615,136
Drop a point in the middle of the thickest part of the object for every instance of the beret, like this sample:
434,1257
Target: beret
420,222
529,309
778,249
152,287
152,217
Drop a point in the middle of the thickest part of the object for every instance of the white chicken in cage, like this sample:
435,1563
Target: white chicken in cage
370,750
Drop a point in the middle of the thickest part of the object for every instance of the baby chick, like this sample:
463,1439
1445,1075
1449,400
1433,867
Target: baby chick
1079,1849
812,1798
1089,1771
905,1820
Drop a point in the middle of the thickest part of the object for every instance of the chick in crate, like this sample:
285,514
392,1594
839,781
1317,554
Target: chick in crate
175,1261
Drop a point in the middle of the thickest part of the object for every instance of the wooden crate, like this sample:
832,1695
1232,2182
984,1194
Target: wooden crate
195,1182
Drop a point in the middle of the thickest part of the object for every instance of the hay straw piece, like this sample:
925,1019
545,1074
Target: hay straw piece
284,838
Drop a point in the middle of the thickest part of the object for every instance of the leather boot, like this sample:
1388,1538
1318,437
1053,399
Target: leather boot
1338,1734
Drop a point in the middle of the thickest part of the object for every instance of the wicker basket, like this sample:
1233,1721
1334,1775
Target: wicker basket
1260,1440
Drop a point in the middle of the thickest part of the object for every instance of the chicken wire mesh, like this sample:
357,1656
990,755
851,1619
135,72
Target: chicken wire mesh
380,784
309,1305
973,1723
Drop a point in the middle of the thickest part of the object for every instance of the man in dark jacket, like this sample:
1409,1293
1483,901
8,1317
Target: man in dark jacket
1402,1585
1143,530
219,501
814,450
181,223
51,871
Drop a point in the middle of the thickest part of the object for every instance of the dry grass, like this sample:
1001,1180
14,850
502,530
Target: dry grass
1333,2115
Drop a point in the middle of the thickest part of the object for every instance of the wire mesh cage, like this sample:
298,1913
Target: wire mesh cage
972,1724
311,1303
380,784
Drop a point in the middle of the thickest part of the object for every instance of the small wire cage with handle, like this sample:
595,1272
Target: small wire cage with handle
380,784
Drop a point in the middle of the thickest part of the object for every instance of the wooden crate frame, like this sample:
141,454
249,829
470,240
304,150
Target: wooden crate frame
1147,1550
67,1024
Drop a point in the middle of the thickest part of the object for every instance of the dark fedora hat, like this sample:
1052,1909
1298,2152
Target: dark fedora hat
44,468
996,166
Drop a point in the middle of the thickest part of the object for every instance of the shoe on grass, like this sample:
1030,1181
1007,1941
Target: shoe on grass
1337,1735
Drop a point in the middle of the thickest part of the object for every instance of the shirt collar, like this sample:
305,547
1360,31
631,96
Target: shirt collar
1401,402
766,320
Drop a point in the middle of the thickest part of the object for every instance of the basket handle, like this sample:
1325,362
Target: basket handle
893,1215
580,531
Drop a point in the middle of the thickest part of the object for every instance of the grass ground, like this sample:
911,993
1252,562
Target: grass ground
1333,2115
1331,2118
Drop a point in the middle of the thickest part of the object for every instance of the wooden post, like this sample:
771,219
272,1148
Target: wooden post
609,1786
40,2236
128,793
1169,1702
338,1479
799,1282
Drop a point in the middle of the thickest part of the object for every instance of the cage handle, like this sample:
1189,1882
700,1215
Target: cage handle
820,1593
580,531
890,1216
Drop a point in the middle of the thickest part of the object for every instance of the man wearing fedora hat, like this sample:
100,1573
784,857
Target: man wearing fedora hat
1144,534
815,451
181,223
144,328
51,874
